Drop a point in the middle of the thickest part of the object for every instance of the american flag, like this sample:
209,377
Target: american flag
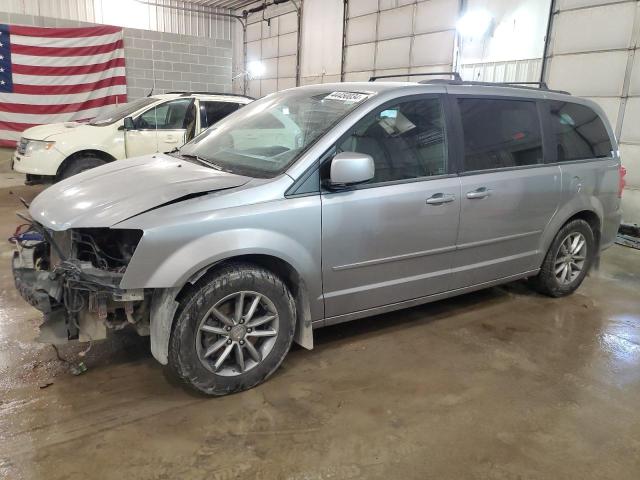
50,75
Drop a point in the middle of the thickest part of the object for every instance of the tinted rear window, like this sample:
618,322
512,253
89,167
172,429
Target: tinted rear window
579,133
500,133
211,112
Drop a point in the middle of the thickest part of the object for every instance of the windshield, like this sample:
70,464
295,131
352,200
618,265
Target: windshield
265,137
114,113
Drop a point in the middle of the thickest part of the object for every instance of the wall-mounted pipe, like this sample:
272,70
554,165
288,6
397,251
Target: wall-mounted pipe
457,40
264,6
299,46
345,17
547,40
245,79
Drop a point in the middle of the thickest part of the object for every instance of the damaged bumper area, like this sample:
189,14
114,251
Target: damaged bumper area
73,277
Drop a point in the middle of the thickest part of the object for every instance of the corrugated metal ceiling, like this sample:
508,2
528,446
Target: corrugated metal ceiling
232,4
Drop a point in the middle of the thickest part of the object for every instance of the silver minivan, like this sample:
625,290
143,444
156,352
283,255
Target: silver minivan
373,197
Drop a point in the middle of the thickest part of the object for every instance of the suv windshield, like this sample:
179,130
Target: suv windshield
112,114
265,137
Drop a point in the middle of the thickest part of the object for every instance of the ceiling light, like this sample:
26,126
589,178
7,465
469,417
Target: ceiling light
474,24
255,69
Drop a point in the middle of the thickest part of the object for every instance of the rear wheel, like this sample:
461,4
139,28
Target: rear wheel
232,331
568,260
80,164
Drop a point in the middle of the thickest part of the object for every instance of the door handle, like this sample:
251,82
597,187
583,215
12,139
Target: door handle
440,198
171,140
481,192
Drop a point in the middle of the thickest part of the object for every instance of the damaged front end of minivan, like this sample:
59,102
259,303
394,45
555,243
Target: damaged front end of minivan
79,238
73,277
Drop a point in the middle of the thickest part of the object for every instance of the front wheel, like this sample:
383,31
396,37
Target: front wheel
79,165
232,331
567,261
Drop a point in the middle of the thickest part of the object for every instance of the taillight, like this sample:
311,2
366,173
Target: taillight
622,171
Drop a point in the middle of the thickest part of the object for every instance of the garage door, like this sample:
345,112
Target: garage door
273,42
598,59
389,37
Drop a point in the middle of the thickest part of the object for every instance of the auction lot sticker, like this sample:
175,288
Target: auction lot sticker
347,97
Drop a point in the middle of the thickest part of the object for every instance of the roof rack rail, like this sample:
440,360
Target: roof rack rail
540,85
455,75
524,85
185,94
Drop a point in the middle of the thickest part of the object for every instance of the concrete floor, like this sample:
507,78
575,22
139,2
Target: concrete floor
500,384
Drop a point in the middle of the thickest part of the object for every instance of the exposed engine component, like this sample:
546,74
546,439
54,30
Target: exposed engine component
105,248
73,277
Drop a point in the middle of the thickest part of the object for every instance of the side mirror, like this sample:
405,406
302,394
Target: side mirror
350,168
128,124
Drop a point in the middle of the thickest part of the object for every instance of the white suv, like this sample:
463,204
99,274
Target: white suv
158,123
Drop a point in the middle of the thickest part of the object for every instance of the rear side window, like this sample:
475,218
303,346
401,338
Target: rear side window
500,133
211,112
579,132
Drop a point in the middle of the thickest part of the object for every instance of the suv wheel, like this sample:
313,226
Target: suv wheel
568,260
79,165
232,331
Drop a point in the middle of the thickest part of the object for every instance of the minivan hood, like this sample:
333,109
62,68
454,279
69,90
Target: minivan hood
43,132
104,196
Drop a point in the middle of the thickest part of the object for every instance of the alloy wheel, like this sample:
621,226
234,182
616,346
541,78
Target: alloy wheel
570,259
237,333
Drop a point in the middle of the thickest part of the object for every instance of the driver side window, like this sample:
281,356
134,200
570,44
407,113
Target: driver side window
166,116
406,140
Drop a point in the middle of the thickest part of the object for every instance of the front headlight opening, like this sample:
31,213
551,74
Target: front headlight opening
105,248
35,146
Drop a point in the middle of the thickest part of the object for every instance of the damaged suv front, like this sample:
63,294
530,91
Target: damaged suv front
73,277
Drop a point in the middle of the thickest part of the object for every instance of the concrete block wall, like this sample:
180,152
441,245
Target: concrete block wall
168,61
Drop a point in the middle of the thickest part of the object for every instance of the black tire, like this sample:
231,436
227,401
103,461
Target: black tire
80,164
184,362
546,282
